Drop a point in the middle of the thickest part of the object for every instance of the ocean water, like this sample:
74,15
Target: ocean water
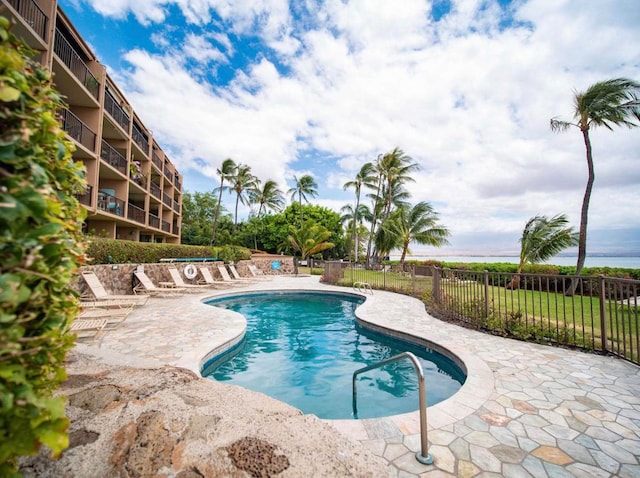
591,261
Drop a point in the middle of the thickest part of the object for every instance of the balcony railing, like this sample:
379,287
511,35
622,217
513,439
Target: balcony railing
167,173
109,203
166,227
136,213
116,111
111,156
176,228
176,183
166,199
70,57
79,131
154,221
176,206
33,14
155,159
140,139
85,197
156,191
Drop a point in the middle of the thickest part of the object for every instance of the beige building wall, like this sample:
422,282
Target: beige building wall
134,191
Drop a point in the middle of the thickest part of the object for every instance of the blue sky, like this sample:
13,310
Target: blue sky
465,87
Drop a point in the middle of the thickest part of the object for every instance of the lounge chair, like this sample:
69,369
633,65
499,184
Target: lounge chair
114,303
227,278
179,282
146,286
100,293
208,279
88,329
257,273
237,276
114,317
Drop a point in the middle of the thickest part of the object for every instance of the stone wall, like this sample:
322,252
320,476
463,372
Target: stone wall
118,278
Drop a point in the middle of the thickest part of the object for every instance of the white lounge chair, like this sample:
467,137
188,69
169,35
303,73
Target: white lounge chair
257,273
146,286
114,317
208,279
237,276
100,293
179,282
88,329
224,273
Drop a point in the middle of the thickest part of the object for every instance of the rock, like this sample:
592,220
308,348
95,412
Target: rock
131,422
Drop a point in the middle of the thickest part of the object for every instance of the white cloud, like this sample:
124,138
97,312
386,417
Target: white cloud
467,97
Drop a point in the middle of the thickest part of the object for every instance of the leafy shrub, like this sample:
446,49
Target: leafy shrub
117,251
41,249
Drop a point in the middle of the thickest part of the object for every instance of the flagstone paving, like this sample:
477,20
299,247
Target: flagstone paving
526,410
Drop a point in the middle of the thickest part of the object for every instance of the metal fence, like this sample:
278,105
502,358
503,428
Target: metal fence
592,313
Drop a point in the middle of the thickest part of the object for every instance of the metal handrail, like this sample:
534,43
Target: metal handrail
423,456
362,287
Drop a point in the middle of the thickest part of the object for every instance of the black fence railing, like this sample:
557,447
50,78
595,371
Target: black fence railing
155,159
592,313
74,62
166,199
166,226
116,111
33,15
85,197
77,130
136,213
113,157
154,221
176,206
167,173
140,138
155,190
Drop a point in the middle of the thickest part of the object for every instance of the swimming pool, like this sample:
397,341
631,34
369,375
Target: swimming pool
303,347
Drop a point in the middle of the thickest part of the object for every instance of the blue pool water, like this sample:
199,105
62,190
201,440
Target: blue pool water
303,347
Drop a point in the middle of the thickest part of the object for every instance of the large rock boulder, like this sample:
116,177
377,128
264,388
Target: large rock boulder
168,422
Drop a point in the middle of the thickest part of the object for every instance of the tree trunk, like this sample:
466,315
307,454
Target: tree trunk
584,214
215,218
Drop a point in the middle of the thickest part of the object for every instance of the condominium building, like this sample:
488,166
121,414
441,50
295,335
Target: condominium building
134,192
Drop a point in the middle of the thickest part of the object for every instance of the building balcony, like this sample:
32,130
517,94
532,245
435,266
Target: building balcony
167,173
77,130
176,206
116,111
166,199
85,197
155,159
156,191
154,221
33,15
113,157
107,202
136,213
140,139
166,227
74,62
176,183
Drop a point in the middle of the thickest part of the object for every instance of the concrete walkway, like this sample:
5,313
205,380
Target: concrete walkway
525,410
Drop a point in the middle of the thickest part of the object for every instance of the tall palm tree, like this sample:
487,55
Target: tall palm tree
305,186
364,175
608,103
543,238
417,224
268,196
224,172
241,182
353,218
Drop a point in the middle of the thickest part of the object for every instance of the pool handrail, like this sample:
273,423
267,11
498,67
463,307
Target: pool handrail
423,455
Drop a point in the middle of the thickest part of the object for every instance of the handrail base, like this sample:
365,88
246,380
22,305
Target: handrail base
425,460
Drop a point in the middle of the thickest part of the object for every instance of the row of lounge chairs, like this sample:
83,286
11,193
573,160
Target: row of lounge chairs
101,311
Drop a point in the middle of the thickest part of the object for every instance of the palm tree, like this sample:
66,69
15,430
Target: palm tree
310,238
608,103
417,224
268,197
543,238
353,219
241,182
225,171
364,176
305,186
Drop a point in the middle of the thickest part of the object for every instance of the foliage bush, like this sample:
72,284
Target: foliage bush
41,249
116,251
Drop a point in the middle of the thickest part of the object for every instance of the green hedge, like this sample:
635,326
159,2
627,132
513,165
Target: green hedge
116,251
41,249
